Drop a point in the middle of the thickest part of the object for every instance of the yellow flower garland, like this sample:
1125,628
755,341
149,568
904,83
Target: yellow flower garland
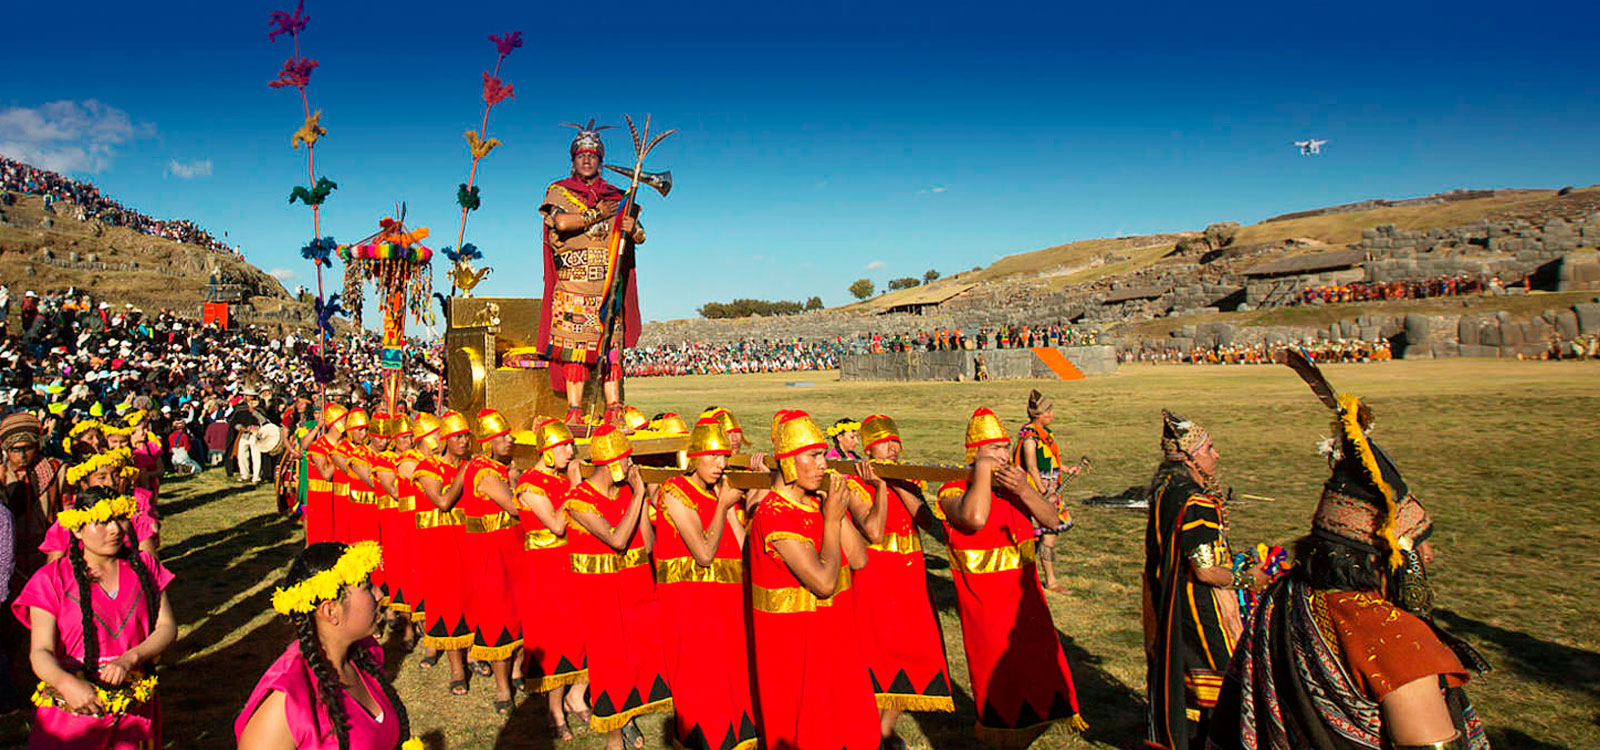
117,457
105,510
84,426
353,567
843,427
116,700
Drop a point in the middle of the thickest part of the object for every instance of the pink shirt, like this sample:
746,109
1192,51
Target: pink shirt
307,718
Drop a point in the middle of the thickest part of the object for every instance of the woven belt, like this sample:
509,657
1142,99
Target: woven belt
363,497
609,563
319,485
793,599
492,522
427,519
993,560
542,539
387,503
900,544
341,489
686,570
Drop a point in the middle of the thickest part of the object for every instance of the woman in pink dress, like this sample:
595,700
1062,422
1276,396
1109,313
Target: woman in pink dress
102,471
327,690
93,693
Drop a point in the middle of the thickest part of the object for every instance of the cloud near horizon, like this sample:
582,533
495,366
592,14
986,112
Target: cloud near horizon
875,265
189,170
282,274
68,136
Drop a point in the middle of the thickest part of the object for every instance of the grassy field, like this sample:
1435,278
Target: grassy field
1497,450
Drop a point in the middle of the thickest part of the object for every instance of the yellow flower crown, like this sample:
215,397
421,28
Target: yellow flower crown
105,510
353,567
116,699
85,426
98,461
843,427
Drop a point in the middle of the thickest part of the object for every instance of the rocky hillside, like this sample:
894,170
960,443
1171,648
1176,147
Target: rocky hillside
52,250
1161,285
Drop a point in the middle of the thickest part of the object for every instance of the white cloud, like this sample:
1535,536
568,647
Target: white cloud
68,136
875,265
191,170
282,274
934,189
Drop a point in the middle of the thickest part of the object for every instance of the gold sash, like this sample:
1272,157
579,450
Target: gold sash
492,522
363,497
609,563
900,544
686,570
427,519
542,539
341,489
793,599
319,485
978,561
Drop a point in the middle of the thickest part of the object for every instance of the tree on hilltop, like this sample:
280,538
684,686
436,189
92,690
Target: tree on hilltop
903,283
815,303
929,276
862,288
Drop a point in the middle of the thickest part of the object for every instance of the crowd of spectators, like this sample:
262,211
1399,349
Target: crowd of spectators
91,205
984,337
1258,354
1362,291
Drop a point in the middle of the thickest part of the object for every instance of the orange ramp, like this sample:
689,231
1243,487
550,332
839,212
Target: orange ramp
1058,363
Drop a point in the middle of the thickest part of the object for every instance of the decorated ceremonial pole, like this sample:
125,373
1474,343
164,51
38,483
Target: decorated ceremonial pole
400,268
296,72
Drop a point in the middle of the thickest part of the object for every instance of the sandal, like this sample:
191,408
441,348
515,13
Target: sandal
583,714
614,416
561,731
632,735
519,684
483,669
502,707
428,661
458,687
574,417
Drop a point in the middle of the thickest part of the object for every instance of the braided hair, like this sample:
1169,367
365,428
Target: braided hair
330,691
80,572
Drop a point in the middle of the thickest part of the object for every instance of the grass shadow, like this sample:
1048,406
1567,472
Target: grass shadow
1550,663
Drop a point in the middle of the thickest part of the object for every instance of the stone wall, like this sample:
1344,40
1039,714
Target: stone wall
1002,364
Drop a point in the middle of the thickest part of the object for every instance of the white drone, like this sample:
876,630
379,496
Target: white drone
1312,147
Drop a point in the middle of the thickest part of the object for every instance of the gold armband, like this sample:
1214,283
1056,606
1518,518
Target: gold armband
1454,743
1204,556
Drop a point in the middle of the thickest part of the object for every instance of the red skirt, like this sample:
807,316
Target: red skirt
396,527
496,627
708,664
900,634
811,684
341,512
1020,678
363,506
319,511
444,585
622,629
553,642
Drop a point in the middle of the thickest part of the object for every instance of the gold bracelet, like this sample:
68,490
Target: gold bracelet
1454,743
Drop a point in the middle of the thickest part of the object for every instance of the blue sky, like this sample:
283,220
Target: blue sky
818,143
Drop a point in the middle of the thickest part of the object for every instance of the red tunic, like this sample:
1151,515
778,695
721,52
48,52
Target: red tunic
341,495
442,575
319,495
383,515
493,543
812,688
703,618
400,545
544,584
1020,679
616,597
363,503
899,632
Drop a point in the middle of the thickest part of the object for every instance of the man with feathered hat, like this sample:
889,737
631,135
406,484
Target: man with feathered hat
579,212
1191,612
1333,656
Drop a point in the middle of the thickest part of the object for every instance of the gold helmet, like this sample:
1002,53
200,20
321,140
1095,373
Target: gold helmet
878,428
709,439
491,424
607,448
382,426
453,423
984,429
333,415
427,426
795,434
633,419
356,419
400,425
730,423
671,424
550,434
